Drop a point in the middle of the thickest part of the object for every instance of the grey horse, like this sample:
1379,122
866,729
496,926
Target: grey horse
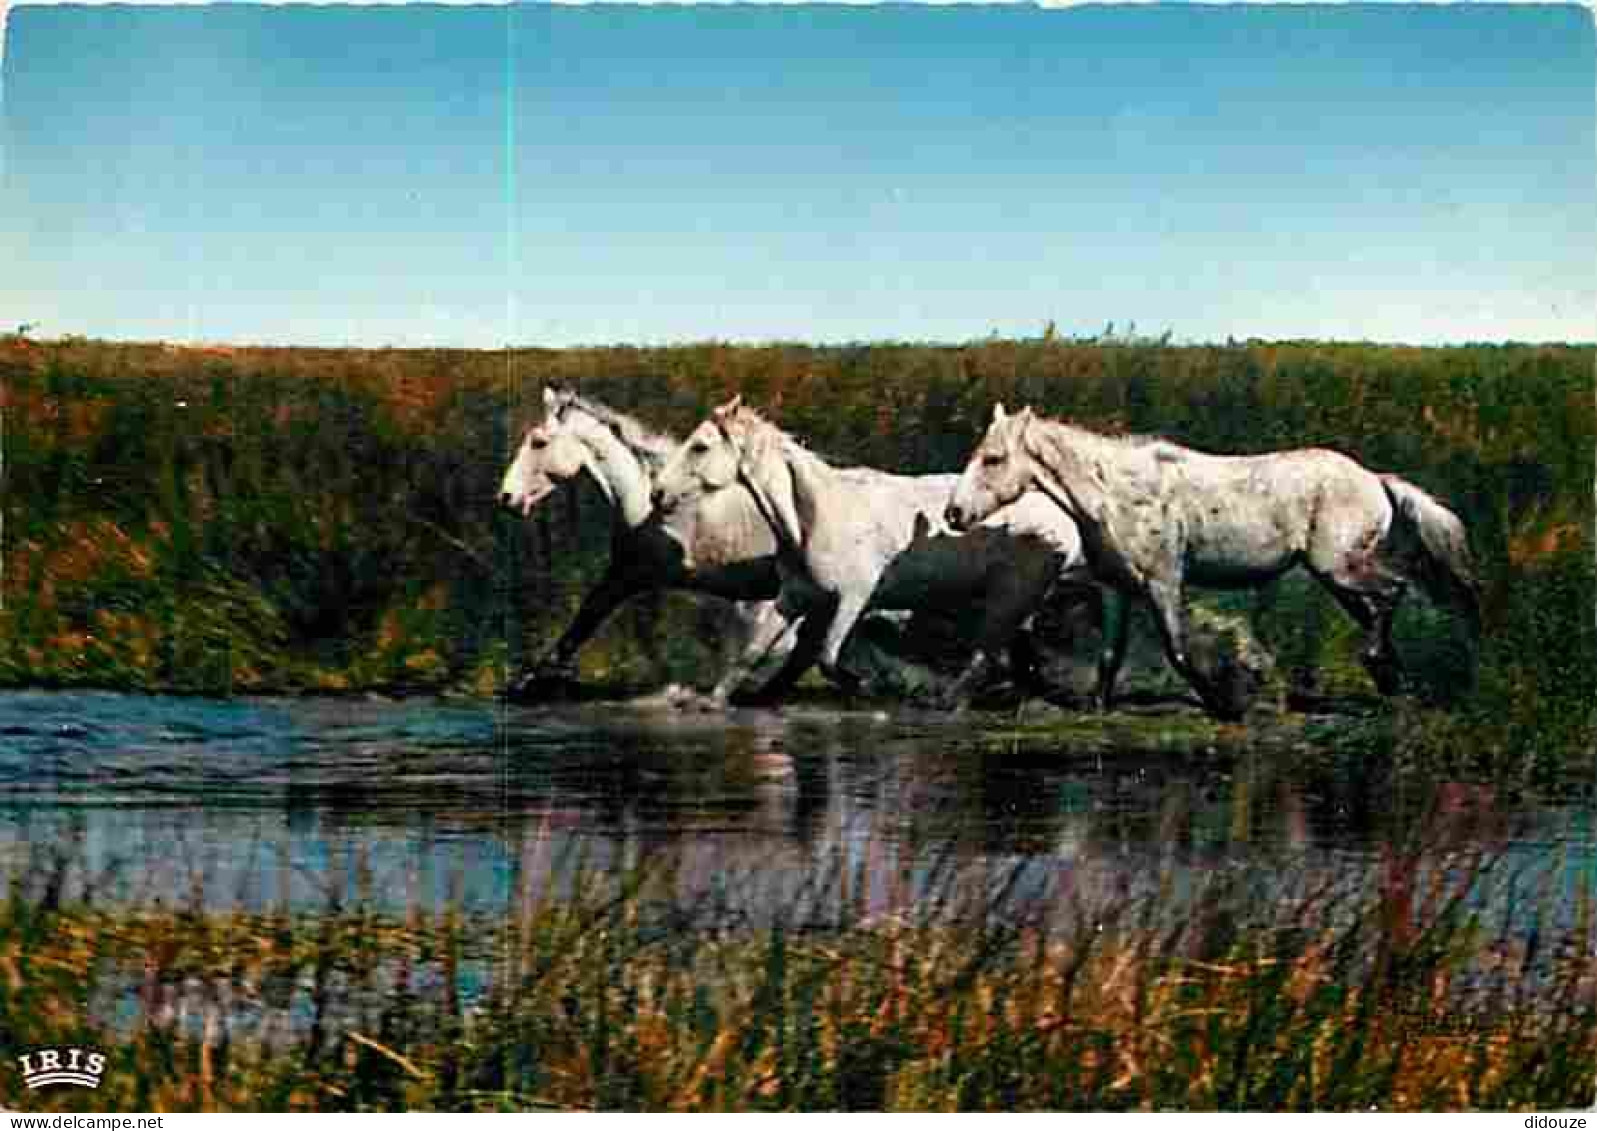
854,539
721,545
1155,517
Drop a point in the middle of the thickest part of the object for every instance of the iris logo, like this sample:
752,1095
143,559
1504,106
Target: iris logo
62,1066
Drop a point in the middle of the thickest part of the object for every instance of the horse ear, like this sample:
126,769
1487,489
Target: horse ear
551,398
722,412
998,413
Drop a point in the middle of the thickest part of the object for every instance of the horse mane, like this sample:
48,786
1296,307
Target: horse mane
653,448
1121,466
1165,448
1123,439
764,432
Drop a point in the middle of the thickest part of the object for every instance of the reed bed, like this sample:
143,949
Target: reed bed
245,520
326,521
1391,989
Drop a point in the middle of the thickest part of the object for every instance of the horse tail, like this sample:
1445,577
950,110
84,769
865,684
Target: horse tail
1447,571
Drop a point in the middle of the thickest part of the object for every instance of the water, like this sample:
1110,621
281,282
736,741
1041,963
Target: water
306,803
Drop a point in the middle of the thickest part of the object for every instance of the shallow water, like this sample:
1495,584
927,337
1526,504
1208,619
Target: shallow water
307,803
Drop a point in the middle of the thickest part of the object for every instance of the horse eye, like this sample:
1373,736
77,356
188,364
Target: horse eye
699,447
537,445
992,459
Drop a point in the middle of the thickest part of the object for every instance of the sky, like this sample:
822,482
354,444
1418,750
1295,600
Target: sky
565,175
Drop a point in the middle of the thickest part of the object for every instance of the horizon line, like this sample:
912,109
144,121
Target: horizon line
13,339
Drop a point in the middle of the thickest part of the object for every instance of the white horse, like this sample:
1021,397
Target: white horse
856,539
1155,516
722,545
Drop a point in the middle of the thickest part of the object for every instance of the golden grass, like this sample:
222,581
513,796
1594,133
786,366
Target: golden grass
591,1003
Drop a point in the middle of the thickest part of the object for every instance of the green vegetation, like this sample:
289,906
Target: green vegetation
254,520
227,521
1393,992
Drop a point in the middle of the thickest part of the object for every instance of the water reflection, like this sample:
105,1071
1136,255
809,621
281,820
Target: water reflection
307,804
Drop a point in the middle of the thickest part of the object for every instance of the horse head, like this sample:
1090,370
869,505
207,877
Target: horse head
735,446
547,457
999,472
707,461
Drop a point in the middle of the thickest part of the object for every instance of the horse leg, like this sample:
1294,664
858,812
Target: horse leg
847,613
1010,598
646,616
770,626
1116,617
1375,611
967,683
1167,603
559,664
1025,662
1354,567
811,635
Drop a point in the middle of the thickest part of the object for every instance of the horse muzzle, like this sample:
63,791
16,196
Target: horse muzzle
510,501
522,502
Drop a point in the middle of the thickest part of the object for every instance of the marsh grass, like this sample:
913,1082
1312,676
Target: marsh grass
291,520
308,520
1394,988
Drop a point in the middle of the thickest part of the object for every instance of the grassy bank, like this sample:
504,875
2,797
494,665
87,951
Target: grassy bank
221,521
1393,992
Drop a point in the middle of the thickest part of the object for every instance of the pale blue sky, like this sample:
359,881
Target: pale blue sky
562,175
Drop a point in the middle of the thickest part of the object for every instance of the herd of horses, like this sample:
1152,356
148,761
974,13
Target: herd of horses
742,510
